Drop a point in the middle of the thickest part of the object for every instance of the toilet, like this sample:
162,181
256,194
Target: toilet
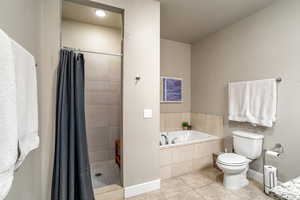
247,147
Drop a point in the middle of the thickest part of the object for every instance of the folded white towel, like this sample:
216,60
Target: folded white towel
8,115
262,102
253,101
27,105
238,101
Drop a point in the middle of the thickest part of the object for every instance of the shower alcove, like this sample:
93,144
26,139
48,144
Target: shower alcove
97,33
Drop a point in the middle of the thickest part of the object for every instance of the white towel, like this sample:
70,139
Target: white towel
253,101
8,115
238,101
18,109
262,102
27,105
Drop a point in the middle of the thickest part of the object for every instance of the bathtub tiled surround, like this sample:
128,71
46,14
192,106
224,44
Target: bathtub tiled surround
178,160
182,159
172,121
211,124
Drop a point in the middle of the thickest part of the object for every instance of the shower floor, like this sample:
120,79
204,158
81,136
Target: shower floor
105,173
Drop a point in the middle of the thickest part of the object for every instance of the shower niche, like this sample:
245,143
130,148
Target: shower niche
97,33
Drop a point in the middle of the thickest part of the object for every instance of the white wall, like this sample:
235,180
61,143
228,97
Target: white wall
20,20
264,45
175,61
141,56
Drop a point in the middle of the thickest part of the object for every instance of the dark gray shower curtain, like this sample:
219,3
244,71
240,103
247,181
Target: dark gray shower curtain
71,173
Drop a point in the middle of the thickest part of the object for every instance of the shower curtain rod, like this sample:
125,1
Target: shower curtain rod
95,52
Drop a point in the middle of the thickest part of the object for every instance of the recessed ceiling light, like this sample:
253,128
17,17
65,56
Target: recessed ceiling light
100,13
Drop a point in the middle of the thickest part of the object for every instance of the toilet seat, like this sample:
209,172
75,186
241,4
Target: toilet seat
232,159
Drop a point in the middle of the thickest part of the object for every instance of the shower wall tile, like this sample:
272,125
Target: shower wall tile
114,135
107,98
97,156
97,85
114,115
96,116
98,138
103,106
97,67
115,86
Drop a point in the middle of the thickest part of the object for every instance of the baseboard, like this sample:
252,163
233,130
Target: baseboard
258,177
135,190
255,175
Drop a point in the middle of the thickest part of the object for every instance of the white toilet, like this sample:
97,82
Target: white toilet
247,147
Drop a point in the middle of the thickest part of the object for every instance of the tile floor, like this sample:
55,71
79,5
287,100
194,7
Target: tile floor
110,173
202,185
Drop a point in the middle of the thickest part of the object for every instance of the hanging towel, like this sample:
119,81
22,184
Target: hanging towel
238,101
8,115
27,105
253,101
262,102
18,109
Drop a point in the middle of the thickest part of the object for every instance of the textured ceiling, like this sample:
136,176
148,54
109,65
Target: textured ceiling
85,14
190,20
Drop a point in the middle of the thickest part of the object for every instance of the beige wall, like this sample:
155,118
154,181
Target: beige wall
91,37
103,85
264,45
175,61
25,30
141,56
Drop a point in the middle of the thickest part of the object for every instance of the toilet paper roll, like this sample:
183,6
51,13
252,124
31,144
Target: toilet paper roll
273,154
270,176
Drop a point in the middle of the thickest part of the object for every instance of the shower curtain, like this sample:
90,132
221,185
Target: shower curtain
71,173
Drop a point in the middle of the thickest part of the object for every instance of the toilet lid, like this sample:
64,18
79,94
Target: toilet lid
231,159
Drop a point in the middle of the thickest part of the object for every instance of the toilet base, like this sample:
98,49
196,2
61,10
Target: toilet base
235,181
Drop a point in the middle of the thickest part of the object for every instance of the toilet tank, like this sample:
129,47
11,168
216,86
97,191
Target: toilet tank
247,144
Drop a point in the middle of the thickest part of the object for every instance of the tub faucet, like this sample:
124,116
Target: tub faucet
166,138
174,140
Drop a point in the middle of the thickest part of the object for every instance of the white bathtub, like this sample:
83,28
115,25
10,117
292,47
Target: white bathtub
184,137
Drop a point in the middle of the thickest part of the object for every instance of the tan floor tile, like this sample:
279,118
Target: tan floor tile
216,192
202,185
248,192
172,187
156,195
213,174
195,180
190,195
